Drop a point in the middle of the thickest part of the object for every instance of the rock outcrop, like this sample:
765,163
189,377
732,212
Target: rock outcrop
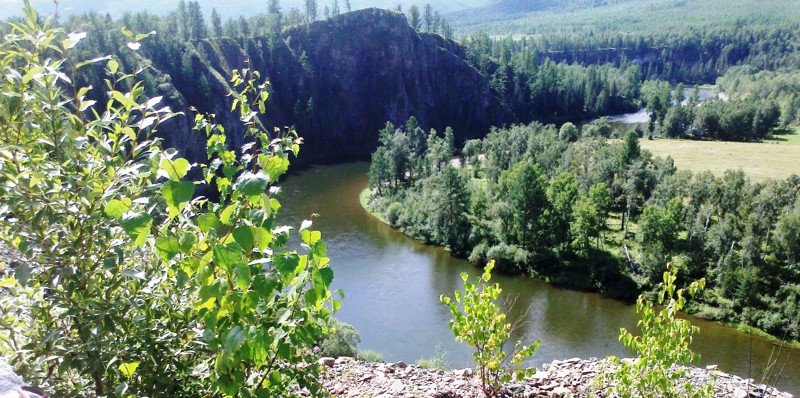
568,378
338,81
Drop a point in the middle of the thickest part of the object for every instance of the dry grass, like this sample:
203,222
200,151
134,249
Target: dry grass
777,158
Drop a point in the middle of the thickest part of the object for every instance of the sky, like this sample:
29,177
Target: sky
227,8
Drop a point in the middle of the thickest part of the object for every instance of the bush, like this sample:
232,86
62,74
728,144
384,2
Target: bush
662,348
370,356
437,362
341,340
478,321
393,213
143,289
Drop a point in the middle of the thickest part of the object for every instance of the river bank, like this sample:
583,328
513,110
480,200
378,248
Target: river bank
346,377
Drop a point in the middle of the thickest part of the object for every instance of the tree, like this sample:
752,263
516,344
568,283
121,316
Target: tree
600,195
568,132
662,347
526,188
347,5
562,193
335,8
452,223
479,322
274,7
311,11
413,17
427,17
585,225
630,150
142,288
216,23
197,24
437,22
379,174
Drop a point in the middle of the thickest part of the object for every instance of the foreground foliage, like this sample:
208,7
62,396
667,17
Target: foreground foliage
661,346
479,322
141,287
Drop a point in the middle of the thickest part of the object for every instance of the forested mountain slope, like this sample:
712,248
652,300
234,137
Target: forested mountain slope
338,80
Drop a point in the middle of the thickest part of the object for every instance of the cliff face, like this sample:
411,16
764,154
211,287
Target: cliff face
338,81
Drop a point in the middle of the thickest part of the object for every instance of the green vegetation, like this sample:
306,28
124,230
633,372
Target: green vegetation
341,341
478,322
437,362
370,356
599,214
141,287
758,161
661,346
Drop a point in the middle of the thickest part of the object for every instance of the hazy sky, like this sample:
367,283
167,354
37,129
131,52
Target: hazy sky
226,8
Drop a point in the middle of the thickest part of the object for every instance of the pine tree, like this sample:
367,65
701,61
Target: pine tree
427,17
413,17
311,11
216,23
347,5
197,24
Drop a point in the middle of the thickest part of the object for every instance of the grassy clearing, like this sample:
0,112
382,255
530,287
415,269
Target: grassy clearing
776,158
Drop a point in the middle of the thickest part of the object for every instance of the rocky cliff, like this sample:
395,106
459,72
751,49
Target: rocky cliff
337,81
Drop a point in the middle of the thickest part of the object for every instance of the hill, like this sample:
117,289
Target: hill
338,80
517,17
229,9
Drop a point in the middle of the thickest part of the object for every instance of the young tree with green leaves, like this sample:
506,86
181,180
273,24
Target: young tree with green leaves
413,17
142,288
479,322
661,346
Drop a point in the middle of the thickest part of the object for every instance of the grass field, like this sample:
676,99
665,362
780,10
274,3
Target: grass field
776,158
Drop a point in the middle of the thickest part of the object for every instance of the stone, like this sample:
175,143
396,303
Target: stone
399,365
466,372
342,360
327,361
397,386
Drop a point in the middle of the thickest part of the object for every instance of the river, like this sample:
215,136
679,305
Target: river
392,285
626,121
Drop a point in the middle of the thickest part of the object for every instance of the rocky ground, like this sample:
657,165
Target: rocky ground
346,377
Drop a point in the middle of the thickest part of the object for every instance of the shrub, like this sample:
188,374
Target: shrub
143,289
341,340
478,321
662,348
437,362
370,356
393,213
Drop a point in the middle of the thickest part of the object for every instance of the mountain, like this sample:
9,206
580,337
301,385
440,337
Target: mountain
338,81
228,9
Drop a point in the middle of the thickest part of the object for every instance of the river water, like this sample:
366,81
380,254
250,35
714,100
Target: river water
392,285
626,121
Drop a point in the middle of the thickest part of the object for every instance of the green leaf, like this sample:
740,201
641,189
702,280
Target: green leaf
116,208
174,169
265,285
327,276
207,222
275,167
113,66
137,226
176,193
242,273
250,184
167,248
227,256
244,237
129,368
226,215
233,339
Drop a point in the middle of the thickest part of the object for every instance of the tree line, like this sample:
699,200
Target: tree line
572,207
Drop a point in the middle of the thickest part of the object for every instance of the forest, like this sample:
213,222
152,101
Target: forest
574,208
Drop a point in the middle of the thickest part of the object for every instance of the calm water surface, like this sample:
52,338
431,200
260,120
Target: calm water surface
392,286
